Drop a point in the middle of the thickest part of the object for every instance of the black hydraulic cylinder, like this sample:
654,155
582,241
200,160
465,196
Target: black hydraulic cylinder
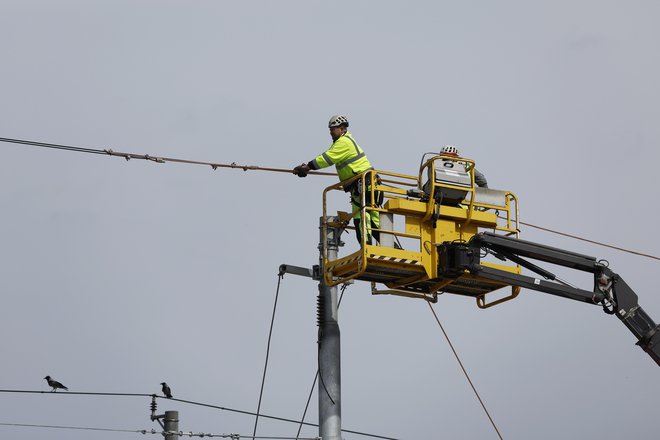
528,282
536,251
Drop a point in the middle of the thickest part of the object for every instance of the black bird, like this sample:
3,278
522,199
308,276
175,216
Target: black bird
166,390
55,385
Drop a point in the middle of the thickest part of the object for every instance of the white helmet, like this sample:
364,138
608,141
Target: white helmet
337,120
449,150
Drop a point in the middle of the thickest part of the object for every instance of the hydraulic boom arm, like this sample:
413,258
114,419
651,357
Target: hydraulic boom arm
609,290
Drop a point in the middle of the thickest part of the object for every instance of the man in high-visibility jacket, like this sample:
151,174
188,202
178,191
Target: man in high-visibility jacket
350,160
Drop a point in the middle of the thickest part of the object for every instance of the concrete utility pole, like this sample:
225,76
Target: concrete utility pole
329,342
171,424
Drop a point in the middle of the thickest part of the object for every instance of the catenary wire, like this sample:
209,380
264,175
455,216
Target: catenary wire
80,393
80,428
153,431
281,419
54,146
230,436
467,376
215,165
591,241
270,334
157,159
576,237
190,402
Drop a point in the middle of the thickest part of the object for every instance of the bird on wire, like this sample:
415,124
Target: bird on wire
55,385
166,390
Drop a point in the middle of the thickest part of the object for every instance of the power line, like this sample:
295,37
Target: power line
153,431
270,334
465,372
591,241
80,428
190,402
277,418
206,405
230,436
54,146
157,159
216,165
79,393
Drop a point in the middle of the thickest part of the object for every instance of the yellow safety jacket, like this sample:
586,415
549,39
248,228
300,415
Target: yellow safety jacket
346,155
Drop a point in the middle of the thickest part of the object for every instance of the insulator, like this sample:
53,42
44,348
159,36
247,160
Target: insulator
320,310
153,405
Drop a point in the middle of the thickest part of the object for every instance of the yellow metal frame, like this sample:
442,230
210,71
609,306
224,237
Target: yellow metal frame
413,272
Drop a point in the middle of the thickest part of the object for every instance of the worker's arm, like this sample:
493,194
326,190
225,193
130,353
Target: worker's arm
341,150
480,179
337,153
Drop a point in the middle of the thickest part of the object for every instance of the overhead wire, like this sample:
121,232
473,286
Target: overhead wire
54,146
591,241
230,436
157,159
467,376
190,402
282,419
233,165
153,431
270,334
80,393
80,428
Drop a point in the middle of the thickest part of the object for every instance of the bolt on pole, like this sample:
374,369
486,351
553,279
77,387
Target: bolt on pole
329,340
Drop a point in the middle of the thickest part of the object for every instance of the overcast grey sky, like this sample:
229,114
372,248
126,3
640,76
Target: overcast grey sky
116,276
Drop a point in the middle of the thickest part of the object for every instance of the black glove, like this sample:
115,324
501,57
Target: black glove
300,170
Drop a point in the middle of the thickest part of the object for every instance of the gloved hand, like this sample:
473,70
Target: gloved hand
301,170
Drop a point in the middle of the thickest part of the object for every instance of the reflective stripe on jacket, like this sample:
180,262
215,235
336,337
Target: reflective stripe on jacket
346,155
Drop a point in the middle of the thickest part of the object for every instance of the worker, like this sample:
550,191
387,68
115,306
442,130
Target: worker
350,160
479,178
451,172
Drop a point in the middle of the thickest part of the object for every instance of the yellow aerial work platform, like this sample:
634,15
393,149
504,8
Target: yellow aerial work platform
417,215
